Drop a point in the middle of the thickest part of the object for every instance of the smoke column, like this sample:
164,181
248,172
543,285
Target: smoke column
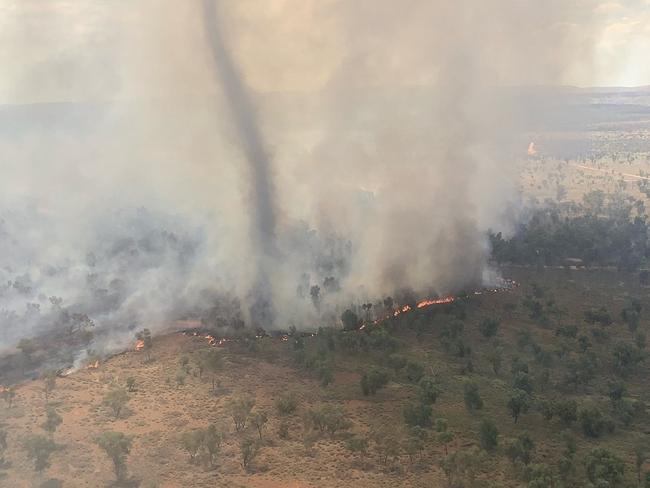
393,129
263,215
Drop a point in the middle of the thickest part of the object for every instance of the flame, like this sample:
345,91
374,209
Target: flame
3,389
94,365
435,301
404,309
532,150
139,345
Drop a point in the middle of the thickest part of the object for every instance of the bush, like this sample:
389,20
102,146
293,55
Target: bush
286,404
117,446
373,380
570,331
350,320
396,362
604,468
521,381
489,327
521,449
429,390
473,400
240,409
357,445
39,449
594,423
488,435
566,411
418,414
414,371
116,400
626,358
598,316
328,418
518,403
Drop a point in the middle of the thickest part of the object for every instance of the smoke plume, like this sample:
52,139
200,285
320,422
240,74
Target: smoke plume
262,161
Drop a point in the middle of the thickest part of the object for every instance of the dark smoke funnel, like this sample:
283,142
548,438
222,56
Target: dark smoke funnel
263,217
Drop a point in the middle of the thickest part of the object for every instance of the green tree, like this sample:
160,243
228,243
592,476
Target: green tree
414,371
240,408
213,439
567,411
593,422
117,447
286,403
518,403
259,420
52,420
488,435
49,383
489,327
473,400
520,449
357,445
39,449
418,414
249,449
373,380
429,390
495,358
116,400
192,442
213,363
604,468
350,320
130,384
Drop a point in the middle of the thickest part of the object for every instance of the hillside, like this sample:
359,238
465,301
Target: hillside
173,395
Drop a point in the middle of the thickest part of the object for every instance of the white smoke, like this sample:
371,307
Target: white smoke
390,151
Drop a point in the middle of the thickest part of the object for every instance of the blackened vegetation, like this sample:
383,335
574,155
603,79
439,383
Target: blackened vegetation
603,230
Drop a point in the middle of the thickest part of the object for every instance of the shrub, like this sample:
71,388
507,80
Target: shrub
521,381
357,445
116,400
396,362
249,449
414,371
604,468
488,435
328,418
566,411
373,380
192,442
39,449
350,320
286,404
429,390
418,414
594,423
240,409
117,446
518,403
473,400
521,449
489,327
598,316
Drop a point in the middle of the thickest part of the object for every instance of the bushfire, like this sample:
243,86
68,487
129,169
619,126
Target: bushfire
139,345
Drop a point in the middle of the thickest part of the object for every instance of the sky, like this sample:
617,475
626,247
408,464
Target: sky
58,50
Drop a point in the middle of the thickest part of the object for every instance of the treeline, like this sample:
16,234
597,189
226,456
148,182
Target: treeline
603,230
